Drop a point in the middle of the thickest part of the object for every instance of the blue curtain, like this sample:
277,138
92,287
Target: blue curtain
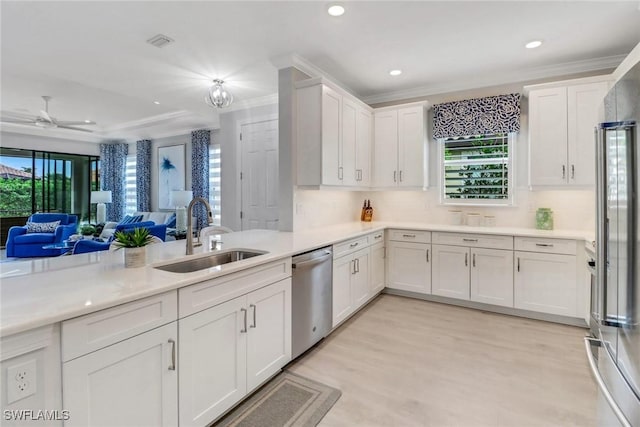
480,116
113,161
143,175
200,140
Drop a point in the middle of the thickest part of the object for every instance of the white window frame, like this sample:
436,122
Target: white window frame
510,201
215,197
130,185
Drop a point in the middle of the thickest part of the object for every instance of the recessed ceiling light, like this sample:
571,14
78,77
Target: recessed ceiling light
395,72
533,44
87,121
156,102
336,10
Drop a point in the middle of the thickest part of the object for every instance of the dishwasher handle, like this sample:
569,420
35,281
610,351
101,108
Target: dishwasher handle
311,262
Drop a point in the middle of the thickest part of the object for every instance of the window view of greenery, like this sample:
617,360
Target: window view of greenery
476,168
36,181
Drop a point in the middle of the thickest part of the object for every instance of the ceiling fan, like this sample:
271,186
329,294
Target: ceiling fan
44,120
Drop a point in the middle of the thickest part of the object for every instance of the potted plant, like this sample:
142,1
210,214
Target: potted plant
134,243
87,230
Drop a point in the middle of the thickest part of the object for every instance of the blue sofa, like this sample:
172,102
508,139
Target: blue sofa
85,246
24,245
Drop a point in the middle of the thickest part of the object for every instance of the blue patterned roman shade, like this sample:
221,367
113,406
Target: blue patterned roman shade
143,175
113,163
480,116
200,140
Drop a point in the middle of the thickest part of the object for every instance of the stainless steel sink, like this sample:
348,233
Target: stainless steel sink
214,260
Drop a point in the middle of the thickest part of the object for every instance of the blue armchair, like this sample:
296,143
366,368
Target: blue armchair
85,246
24,245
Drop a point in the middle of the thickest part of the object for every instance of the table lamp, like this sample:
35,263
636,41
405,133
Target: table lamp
101,197
180,199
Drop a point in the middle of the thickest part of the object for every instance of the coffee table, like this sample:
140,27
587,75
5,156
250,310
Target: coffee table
64,247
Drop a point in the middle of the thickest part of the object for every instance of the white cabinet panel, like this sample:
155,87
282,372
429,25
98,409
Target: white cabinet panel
349,141
343,269
450,271
409,267
364,141
130,383
360,281
492,276
377,270
385,156
411,147
545,283
331,137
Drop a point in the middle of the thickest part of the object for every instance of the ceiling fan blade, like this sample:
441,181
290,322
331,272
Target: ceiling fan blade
74,128
18,115
74,123
12,120
46,116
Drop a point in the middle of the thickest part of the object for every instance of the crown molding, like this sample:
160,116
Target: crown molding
498,79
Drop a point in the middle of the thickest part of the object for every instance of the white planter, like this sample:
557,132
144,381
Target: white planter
135,257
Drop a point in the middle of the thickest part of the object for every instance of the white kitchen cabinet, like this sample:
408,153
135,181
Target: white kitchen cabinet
229,349
410,266
561,137
377,268
450,271
546,283
131,383
492,276
333,135
351,288
400,147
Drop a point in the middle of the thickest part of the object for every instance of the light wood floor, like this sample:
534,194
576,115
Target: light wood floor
405,362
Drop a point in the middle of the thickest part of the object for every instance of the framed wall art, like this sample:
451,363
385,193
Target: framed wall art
171,173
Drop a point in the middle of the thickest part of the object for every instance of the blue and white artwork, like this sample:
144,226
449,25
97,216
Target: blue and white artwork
171,173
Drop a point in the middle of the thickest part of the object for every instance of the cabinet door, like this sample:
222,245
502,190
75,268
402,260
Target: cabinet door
269,336
349,140
583,114
411,147
377,269
545,283
331,137
343,269
364,142
385,156
492,276
213,354
130,383
360,286
548,136
410,267
451,271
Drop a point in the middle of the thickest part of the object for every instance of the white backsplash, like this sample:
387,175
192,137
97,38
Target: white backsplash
572,209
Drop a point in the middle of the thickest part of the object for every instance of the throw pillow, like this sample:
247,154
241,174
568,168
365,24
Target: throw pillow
42,227
130,219
171,221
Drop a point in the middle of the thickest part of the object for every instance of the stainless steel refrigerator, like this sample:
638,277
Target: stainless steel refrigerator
613,349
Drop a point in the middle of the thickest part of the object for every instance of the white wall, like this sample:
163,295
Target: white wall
44,143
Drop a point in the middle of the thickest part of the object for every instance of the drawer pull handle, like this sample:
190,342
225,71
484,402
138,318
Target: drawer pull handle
378,236
353,245
244,312
469,240
545,245
172,367
410,236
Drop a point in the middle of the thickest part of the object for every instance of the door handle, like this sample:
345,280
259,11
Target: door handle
518,264
395,173
564,171
340,172
400,176
357,260
573,171
244,312
172,367
466,259
353,266
254,315
474,260
427,255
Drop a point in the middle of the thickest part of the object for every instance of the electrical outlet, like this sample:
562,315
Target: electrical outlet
21,381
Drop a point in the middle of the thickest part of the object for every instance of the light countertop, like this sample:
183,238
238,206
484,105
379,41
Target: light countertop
40,292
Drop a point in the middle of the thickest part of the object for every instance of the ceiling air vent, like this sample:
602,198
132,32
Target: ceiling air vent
160,40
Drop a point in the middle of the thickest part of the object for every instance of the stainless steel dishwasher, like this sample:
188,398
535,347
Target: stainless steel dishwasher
311,296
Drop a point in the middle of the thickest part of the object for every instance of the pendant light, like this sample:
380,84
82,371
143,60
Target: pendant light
218,96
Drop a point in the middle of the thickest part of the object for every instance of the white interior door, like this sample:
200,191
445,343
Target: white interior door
259,174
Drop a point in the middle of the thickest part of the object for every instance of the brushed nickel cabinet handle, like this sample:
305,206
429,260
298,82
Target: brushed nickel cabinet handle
400,176
357,260
564,171
573,171
172,367
244,312
518,264
466,259
469,240
409,236
353,266
379,236
474,260
254,315
353,245
545,245
427,255
340,172
394,176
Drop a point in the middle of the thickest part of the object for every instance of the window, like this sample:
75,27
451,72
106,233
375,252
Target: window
477,169
214,182
130,193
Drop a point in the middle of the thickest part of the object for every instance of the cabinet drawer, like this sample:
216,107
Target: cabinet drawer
212,292
349,246
474,240
410,236
550,246
377,237
94,331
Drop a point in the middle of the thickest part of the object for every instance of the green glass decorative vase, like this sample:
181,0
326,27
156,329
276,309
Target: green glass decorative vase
544,219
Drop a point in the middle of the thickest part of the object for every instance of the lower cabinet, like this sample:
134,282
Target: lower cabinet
492,276
131,383
377,268
410,266
226,351
546,283
450,271
351,287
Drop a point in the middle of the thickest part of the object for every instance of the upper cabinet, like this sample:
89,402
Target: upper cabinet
400,147
333,133
562,118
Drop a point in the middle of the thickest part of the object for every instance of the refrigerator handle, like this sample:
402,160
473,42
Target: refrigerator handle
602,232
588,343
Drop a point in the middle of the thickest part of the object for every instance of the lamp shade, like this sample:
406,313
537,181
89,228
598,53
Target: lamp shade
181,198
101,196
